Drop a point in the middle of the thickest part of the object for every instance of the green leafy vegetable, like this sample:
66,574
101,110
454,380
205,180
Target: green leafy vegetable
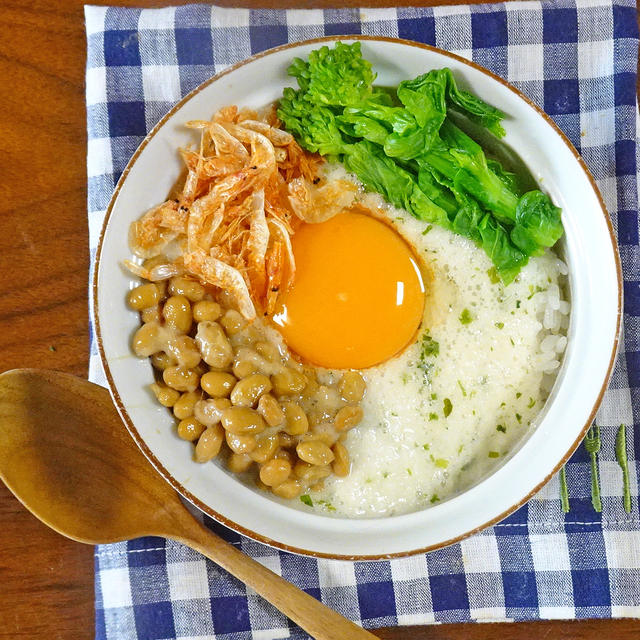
334,77
538,223
405,145
463,161
477,110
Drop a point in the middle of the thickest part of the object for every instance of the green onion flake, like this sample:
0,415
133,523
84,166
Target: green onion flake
465,317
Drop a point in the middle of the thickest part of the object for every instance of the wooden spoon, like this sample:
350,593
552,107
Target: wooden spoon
67,457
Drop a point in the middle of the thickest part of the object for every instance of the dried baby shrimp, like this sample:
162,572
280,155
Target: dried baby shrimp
315,203
233,213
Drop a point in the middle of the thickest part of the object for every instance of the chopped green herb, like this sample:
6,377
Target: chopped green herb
493,275
621,457
427,229
434,498
409,471
52,348
385,474
513,344
429,346
518,394
405,378
426,447
499,325
433,416
464,393
434,396
518,303
394,414
519,418
503,404
494,454
447,407
306,499
564,491
501,428
460,448
465,317
442,463
530,403
328,506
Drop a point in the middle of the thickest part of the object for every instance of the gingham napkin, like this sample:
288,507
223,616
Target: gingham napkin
578,62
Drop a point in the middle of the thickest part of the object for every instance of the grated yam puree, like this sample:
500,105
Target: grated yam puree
436,424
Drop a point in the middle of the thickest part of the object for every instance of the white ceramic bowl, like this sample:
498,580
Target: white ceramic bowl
595,288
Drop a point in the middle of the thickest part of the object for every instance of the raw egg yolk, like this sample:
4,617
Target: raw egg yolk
358,295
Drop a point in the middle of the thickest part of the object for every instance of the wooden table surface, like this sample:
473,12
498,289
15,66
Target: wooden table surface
46,581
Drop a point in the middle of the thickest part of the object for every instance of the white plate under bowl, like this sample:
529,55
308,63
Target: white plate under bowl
596,296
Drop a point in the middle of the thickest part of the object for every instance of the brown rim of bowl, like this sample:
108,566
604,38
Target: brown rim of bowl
219,517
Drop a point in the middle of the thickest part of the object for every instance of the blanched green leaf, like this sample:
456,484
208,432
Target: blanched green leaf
424,98
435,191
334,77
395,119
379,173
496,243
359,126
473,107
508,178
470,172
538,223
315,128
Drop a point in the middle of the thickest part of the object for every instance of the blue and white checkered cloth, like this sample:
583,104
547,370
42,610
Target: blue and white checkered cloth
577,60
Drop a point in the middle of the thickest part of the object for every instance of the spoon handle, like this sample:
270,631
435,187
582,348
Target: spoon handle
315,618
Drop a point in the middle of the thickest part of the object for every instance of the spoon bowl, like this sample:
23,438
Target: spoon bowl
50,422
65,454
